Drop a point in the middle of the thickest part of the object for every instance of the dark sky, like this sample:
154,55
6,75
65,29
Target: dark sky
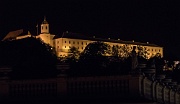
155,21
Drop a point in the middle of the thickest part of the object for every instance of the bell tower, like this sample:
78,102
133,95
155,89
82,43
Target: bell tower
44,27
45,36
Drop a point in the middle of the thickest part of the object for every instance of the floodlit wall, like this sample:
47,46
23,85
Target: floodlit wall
47,38
22,37
64,44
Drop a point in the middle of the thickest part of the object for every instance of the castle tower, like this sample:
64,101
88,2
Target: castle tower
44,27
45,36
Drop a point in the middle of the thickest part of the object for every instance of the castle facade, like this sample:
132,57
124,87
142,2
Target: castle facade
63,43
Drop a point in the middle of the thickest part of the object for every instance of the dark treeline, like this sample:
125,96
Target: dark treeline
31,58
98,60
28,58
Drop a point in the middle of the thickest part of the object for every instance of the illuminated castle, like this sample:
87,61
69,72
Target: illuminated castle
63,43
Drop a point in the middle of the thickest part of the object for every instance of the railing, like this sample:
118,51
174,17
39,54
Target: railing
32,88
160,93
97,86
113,86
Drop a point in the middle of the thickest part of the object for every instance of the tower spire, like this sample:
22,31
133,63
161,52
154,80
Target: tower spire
44,18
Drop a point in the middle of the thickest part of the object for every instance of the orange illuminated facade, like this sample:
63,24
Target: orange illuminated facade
63,43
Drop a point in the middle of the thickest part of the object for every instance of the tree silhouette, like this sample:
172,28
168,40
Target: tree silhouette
29,58
97,49
93,59
142,52
125,51
122,52
158,62
74,54
115,51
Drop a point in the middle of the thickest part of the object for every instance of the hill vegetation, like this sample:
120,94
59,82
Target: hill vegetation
29,58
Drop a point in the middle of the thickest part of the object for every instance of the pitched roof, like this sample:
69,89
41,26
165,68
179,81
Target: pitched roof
16,33
72,36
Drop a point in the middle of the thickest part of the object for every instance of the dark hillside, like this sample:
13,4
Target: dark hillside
29,58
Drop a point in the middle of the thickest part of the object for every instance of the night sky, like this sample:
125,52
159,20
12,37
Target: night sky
155,21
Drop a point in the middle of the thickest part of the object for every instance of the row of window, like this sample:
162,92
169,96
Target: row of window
82,43
73,42
70,47
83,48
77,47
158,50
155,50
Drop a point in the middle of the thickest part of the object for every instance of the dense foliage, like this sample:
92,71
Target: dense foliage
97,59
29,58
